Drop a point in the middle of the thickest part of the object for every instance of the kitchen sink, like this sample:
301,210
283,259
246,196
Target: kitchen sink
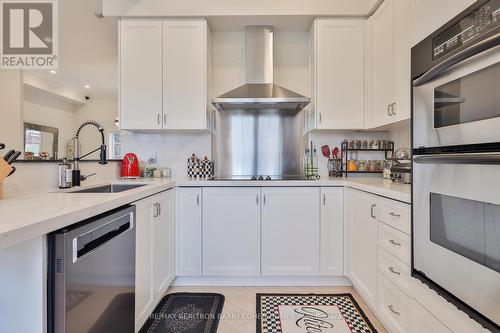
111,188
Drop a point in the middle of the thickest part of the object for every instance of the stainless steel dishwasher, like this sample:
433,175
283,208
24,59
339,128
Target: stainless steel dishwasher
91,285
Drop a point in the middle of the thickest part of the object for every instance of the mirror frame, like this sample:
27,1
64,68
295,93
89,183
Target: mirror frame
42,128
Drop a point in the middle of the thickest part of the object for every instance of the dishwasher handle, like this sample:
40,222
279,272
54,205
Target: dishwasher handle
103,234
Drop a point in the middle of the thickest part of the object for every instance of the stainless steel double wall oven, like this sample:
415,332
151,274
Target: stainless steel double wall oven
456,162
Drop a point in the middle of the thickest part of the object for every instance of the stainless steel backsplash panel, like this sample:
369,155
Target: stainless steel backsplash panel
248,143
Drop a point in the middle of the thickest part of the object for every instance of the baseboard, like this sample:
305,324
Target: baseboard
262,281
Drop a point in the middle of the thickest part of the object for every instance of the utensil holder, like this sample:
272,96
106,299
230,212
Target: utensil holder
335,167
5,170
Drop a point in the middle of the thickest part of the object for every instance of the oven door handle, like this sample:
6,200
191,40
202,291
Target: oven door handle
468,52
467,158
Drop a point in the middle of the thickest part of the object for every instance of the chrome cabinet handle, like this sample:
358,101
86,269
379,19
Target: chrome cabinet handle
390,307
257,197
389,110
197,199
157,210
324,199
319,117
393,113
264,201
371,211
165,119
159,117
392,241
394,271
394,214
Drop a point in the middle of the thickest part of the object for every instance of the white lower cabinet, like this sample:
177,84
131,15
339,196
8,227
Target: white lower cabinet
189,231
362,243
290,231
231,231
332,231
393,306
154,252
423,321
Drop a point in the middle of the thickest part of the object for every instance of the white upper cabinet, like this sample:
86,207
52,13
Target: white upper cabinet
185,74
290,231
389,61
140,93
231,231
338,74
164,68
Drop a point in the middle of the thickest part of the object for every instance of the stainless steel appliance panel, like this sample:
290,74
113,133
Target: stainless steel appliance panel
94,275
456,228
469,116
248,143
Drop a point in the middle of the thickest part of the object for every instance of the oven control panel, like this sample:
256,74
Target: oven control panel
479,22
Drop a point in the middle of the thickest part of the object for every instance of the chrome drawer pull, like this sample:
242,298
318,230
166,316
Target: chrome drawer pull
394,214
390,307
394,271
392,241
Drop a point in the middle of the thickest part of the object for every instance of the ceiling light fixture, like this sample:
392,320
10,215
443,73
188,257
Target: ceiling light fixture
52,71
87,86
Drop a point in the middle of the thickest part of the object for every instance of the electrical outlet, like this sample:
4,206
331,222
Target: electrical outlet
152,158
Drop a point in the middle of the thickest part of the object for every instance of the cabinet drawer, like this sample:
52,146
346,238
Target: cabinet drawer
395,270
394,241
394,213
393,306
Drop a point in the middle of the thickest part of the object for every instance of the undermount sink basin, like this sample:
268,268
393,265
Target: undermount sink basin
111,188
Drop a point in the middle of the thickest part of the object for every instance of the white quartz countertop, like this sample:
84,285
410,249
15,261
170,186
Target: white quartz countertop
28,216
375,185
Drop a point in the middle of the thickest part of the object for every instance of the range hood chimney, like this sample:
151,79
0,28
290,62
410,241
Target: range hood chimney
260,92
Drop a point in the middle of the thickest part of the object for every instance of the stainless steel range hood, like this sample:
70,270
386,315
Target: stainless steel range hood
260,92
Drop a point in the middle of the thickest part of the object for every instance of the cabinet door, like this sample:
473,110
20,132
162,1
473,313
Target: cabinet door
290,231
185,74
332,231
189,231
340,74
362,243
140,97
382,67
231,231
402,55
163,243
143,260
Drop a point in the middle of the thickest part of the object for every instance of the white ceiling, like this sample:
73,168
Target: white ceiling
88,50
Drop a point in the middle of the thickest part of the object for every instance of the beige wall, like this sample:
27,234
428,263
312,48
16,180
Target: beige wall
11,97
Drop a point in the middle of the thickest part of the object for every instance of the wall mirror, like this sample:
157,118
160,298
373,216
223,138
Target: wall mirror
40,142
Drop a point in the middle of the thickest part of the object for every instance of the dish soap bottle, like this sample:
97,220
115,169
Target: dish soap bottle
307,163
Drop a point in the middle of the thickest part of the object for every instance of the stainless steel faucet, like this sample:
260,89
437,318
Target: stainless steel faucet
77,178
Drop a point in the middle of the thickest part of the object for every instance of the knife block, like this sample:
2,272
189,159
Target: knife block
5,171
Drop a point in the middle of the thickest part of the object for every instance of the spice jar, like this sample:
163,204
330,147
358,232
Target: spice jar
373,166
363,166
351,165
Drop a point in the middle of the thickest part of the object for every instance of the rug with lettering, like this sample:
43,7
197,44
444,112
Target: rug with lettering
297,313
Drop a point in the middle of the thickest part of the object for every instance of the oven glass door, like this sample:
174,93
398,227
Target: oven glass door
456,229
461,106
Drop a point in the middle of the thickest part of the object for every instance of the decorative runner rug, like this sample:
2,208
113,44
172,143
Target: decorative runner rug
186,313
297,313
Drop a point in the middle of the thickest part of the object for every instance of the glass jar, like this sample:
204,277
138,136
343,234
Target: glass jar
363,166
352,165
373,166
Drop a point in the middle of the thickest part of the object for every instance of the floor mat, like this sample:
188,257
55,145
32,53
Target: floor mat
297,313
186,313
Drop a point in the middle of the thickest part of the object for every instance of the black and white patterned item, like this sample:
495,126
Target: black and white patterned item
295,313
197,168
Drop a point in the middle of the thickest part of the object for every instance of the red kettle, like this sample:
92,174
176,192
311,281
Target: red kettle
130,166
